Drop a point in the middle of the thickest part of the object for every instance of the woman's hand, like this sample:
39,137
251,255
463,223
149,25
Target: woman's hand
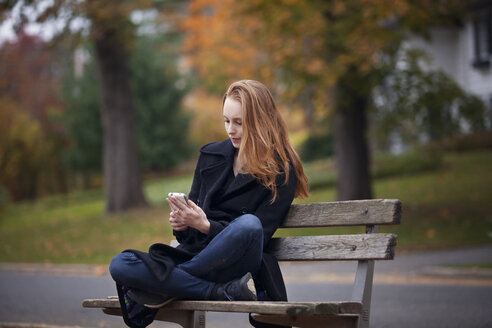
175,222
183,216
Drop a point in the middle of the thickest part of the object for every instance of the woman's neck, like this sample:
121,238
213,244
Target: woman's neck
236,166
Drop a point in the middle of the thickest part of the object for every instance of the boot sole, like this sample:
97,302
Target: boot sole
157,306
250,287
140,298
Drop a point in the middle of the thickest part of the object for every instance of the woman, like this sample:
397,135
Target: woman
242,189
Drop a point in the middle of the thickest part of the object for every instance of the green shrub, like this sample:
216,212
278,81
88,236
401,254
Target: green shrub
386,165
460,143
317,146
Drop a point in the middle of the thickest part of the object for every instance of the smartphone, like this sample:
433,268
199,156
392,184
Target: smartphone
179,195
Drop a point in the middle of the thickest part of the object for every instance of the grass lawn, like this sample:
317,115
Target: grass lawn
445,207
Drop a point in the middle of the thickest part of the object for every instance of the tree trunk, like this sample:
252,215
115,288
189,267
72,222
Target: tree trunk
351,146
122,179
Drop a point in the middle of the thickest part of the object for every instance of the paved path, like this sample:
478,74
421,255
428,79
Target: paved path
410,291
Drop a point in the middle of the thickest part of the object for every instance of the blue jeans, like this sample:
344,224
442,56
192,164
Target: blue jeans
236,250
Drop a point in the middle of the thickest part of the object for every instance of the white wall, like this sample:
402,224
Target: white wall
452,50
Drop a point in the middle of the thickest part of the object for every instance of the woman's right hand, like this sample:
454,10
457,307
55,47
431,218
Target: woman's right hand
176,223
184,216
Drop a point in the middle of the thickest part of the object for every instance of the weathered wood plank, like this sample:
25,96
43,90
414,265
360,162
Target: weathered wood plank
343,213
109,303
111,306
334,247
244,307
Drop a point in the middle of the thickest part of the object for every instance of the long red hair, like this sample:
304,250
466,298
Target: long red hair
265,150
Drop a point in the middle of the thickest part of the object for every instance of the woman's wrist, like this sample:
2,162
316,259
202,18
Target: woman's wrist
204,226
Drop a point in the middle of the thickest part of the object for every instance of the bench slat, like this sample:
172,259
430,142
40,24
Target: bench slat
343,213
283,308
334,247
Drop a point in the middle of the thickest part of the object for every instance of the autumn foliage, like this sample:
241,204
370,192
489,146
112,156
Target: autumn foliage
296,43
325,56
30,137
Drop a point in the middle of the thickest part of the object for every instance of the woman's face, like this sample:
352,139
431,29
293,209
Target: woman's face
233,119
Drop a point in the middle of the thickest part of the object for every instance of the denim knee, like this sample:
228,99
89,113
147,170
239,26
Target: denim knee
118,267
249,224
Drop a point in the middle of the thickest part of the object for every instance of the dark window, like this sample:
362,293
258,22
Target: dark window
482,35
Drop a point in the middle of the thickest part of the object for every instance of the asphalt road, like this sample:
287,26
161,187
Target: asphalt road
407,293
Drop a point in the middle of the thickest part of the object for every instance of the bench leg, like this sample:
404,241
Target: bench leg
362,289
184,318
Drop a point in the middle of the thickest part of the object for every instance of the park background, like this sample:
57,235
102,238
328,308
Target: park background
104,106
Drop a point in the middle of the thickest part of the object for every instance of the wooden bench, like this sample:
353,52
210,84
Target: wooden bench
364,248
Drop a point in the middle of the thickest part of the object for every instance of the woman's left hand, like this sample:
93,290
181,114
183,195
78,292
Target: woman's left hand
191,215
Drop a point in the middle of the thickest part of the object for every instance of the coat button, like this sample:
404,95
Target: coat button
244,210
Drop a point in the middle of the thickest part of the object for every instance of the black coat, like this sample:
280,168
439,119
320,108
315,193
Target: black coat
243,195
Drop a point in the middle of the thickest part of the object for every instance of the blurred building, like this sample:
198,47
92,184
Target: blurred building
464,51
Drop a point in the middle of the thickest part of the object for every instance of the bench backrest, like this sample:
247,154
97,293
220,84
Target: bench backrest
369,246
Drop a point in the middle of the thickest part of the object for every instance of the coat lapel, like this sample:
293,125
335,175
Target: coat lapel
240,182
216,173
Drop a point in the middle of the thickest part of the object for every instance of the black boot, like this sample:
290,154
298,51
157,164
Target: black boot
242,289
